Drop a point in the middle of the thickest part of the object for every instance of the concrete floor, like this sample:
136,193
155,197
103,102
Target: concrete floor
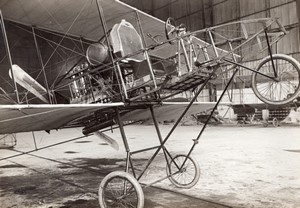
249,166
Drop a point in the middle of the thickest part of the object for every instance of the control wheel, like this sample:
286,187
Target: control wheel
170,29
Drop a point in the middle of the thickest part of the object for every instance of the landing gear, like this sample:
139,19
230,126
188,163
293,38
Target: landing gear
120,189
184,171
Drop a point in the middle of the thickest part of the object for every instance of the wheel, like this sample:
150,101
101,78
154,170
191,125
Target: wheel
185,176
282,89
170,29
275,122
265,124
120,189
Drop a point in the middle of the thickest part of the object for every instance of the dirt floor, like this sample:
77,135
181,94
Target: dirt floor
248,166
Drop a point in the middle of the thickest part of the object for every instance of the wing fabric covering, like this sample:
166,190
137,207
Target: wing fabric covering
81,19
24,118
168,111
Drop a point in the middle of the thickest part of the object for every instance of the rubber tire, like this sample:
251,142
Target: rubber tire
127,176
275,122
197,174
289,59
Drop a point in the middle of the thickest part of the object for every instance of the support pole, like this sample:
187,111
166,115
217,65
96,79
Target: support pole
121,127
106,33
146,51
165,151
213,43
42,64
270,53
9,55
298,12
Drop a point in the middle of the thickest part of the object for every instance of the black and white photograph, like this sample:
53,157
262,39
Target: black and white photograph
149,104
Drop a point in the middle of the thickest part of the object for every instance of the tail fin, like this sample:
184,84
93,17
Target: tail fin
26,81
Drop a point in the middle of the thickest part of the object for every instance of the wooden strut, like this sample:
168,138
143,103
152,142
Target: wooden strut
9,55
104,26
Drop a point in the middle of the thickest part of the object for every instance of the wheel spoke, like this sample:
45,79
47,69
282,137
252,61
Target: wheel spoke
121,190
184,171
286,87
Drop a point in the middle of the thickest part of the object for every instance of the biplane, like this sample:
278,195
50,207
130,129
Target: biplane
110,63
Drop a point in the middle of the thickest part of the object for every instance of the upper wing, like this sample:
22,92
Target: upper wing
77,18
23,118
168,111
81,19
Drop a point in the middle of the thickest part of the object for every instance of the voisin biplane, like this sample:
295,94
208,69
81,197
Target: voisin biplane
103,63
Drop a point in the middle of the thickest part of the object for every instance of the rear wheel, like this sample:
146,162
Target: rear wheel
120,189
282,89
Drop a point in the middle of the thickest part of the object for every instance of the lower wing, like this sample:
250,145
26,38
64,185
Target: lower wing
168,111
24,118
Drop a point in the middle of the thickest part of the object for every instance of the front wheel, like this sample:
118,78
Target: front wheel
183,171
279,89
120,189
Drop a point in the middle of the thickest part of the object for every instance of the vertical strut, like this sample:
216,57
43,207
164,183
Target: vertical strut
166,152
213,43
121,127
146,51
270,53
9,55
106,33
33,135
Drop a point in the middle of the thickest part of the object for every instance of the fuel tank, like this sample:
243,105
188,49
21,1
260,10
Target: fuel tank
97,53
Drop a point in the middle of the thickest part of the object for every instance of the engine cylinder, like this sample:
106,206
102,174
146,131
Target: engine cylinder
97,53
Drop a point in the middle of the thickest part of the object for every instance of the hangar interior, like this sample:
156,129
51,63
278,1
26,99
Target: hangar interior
241,165
195,15
201,14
